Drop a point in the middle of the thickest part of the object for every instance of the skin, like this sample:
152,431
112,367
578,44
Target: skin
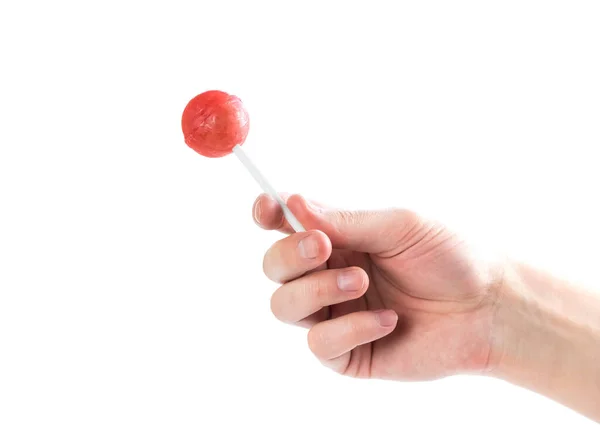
392,295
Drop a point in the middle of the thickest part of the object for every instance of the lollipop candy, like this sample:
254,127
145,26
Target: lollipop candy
216,124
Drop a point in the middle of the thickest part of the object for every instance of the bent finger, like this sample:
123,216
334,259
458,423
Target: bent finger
300,298
332,341
295,255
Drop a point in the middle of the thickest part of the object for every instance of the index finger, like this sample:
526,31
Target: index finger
267,213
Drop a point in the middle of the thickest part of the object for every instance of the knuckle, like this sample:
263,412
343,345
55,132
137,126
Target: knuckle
355,218
344,217
315,288
276,305
265,264
315,341
353,328
268,267
283,303
273,263
408,216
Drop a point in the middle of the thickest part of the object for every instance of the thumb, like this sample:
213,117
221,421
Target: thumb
384,232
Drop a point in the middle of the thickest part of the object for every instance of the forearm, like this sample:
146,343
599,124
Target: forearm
547,338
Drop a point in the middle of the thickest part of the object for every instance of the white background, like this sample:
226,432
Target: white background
133,307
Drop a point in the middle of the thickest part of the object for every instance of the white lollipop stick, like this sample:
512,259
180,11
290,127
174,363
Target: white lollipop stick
264,184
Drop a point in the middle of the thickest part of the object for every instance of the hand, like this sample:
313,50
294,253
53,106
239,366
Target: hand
385,294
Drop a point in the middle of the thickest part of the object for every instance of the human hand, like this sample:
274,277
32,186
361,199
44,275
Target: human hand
385,294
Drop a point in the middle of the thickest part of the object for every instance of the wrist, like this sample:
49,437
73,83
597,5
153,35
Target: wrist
546,338
523,346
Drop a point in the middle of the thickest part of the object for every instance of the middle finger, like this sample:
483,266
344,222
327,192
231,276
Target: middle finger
295,255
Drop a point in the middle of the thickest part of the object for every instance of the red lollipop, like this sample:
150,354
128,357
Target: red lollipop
216,124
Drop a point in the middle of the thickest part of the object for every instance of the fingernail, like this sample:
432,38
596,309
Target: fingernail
308,247
386,317
349,281
257,211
